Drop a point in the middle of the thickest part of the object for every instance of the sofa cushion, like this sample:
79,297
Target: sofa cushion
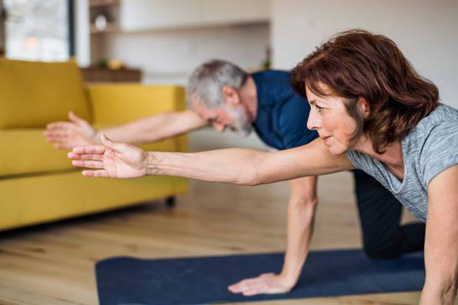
36,93
25,151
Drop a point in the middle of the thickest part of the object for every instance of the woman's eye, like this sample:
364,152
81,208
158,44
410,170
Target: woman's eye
319,108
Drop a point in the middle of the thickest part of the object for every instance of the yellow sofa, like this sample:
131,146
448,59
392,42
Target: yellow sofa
37,182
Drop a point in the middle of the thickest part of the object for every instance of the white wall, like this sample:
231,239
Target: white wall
160,14
426,31
168,56
82,33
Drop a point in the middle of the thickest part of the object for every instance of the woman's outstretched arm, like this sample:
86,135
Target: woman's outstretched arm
237,166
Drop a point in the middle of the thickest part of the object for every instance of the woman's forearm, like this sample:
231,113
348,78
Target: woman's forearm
237,166
443,294
441,240
301,215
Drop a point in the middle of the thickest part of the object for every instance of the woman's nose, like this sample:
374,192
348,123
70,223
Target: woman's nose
313,123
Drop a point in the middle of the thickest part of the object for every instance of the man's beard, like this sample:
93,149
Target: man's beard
242,125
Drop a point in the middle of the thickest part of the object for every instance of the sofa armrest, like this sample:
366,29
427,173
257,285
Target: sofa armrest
114,104
118,104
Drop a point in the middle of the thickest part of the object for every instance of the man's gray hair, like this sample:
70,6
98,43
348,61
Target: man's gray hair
207,81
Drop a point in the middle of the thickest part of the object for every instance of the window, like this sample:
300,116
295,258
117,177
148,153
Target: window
39,30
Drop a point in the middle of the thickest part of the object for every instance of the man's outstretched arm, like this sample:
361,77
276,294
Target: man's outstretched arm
78,132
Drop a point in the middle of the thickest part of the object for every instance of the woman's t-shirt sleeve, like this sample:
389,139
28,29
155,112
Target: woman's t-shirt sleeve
439,151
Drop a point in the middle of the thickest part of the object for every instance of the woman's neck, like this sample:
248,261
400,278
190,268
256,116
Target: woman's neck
391,157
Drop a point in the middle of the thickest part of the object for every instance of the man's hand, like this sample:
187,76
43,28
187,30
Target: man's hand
115,160
77,132
267,283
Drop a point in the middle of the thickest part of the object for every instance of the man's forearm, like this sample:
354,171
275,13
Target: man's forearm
153,128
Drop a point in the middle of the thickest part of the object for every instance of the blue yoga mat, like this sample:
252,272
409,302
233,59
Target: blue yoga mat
205,279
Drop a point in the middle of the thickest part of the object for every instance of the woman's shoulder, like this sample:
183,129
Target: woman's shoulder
436,136
444,117
443,114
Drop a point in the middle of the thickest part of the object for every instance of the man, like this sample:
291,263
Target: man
223,95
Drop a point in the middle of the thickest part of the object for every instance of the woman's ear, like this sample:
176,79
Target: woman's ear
363,106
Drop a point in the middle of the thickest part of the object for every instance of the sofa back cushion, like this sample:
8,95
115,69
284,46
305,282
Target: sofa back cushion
36,93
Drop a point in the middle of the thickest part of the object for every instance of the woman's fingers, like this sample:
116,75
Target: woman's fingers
251,292
95,173
268,283
90,149
88,164
91,157
119,147
245,286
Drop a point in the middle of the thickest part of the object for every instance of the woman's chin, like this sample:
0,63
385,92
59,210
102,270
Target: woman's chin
337,150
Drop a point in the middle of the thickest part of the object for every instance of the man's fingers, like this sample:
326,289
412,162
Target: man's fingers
55,125
96,173
74,118
60,125
57,133
87,164
63,145
90,149
57,139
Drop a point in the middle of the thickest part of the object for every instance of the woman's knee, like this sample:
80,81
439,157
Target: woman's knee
377,250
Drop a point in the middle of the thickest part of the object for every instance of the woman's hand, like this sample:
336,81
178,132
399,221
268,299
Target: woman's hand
267,283
115,160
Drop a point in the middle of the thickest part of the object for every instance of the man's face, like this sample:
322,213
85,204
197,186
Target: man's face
233,117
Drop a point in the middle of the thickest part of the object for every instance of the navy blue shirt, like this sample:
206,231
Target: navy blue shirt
281,120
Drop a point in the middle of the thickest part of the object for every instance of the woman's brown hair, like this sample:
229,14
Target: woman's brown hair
358,64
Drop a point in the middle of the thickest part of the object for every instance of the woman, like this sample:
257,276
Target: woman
372,112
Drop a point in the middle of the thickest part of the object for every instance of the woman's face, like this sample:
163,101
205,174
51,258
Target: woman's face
329,117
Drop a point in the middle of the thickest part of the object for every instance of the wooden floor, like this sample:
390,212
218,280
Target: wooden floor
54,263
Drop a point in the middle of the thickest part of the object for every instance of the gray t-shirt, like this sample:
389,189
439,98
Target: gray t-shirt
430,148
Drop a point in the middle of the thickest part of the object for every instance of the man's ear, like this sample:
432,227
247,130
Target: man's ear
231,96
364,107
